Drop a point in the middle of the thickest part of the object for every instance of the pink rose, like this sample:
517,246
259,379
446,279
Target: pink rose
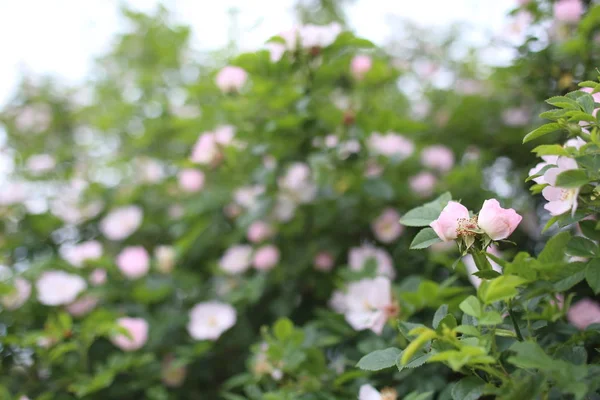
438,157
236,259
423,183
259,231
133,262
568,11
231,79
138,332
447,224
266,257
584,313
360,65
98,277
323,261
497,222
82,306
191,180
386,227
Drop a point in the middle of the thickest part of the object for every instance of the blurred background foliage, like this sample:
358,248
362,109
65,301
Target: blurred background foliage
123,137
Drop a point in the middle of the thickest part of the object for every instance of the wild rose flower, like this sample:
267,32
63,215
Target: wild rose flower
447,225
423,183
138,332
82,306
210,319
369,304
236,259
191,180
231,79
259,231
359,257
368,392
560,200
165,257
548,160
338,302
247,196
121,222
205,150
18,297
266,257
55,288
568,11
471,267
13,193
563,164
323,261
390,145
78,254
497,222
40,163
98,277
319,36
297,183
276,51
584,313
438,157
386,226
149,170
133,262
516,116
360,65
172,374
575,142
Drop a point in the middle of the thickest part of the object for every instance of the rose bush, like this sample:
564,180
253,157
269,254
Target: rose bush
165,224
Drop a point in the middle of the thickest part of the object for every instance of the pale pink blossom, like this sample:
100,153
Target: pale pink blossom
191,180
386,227
516,116
82,306
575,142
78,254
471,267
13,193
297,183
447,224
323,261
224,135
247,196
390,145
138,334
584,313
19,295
497,222
259,231
285,208
56,288
276,51
231,79
373,169
368,392
438,157
121,222
369,304
523,2
319,36
236,259
165,258
40,163
563,164
205,150
548,160
360,65
360,257
338,302
133,262
266,257
423,183
560,200
35,118
149,170
98,277
569,11
210,319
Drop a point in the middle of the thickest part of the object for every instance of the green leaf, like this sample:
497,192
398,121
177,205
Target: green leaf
439,315
572,178
379,359
529,355
587,103
467,330
550,150
448,321
418,396
283,329
469,388
553,114
491,274
471,306
541,131
501,288
563,102
379,189
555,248
581,247
589,230
490,318
590,162
425,214
425,238
592,275
418,359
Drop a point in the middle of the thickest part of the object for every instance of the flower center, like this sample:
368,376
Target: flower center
466,226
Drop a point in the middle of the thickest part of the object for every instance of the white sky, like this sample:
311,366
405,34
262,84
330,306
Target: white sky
61,37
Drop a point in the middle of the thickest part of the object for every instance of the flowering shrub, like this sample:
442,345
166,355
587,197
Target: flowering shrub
241,230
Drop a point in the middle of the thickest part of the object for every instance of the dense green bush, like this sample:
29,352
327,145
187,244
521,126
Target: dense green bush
189,227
